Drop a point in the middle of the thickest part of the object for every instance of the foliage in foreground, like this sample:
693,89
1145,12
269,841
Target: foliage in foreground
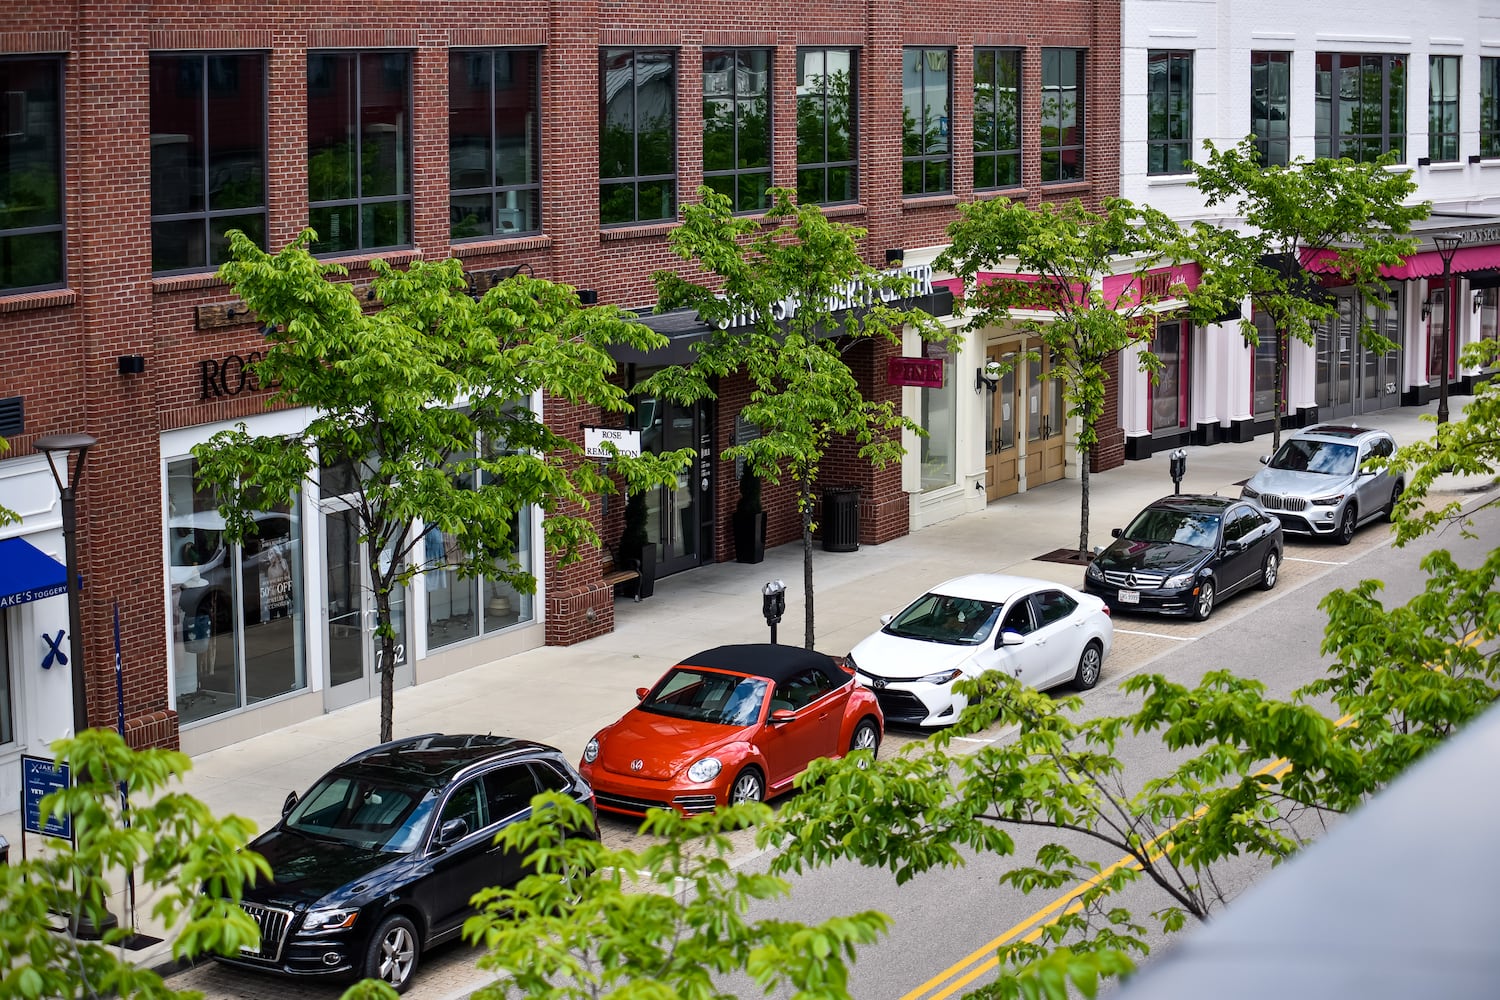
171,842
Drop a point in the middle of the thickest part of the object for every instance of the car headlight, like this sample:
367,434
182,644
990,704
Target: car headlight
1332,501
849,662
1180,580
1094,572
941,677
330,919
706,769
591,750
1249,493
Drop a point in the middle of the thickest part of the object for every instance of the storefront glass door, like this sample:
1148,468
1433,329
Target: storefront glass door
353,648
674,512
1002,442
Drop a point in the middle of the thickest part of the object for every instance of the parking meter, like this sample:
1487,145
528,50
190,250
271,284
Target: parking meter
1178,468
773,604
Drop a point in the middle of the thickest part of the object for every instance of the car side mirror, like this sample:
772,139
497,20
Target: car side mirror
1234,546
289,804
1010,637
1265,460
782,715
1116,532
887,619
640,693
452,832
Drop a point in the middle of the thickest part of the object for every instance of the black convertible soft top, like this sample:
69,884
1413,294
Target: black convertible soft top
764,659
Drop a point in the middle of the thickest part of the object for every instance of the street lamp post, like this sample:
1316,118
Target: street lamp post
1447,246
53,445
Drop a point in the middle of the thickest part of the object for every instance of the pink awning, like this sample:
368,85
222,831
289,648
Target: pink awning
1425,264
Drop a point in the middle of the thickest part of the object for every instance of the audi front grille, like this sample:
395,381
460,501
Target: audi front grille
274,922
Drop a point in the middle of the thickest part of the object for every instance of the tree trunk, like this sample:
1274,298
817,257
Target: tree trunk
385,662
1279,406
1083,526
807,564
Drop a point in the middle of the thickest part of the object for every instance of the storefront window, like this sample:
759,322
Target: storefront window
940,418
1264,403
237,610
1487,300
1169,394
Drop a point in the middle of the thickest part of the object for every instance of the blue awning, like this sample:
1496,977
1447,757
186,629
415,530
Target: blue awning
28,574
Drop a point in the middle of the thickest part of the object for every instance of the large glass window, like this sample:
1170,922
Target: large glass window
1063,104
31,172
1489,106
237,610
359,149
1442,108
1271,106
1361,105
1263,384
494,161
926,107
737,125
1169,411
1169,111
997,118
940,419
637,136
827,105
208,156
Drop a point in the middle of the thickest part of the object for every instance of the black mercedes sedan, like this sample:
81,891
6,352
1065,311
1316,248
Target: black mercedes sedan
378,861
1183,554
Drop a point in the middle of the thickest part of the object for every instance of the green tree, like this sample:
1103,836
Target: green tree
788,301
1351,218
418,410
169,839
1071,250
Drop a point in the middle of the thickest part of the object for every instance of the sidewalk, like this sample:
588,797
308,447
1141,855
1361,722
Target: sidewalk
563,695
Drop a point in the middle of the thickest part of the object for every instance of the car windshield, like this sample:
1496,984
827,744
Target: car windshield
1303,455
1185,527
357,809
708,696
959,621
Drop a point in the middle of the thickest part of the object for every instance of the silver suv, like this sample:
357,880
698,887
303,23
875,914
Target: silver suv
1320,481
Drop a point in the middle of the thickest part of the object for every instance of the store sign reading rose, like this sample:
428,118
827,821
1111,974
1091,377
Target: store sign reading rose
229,376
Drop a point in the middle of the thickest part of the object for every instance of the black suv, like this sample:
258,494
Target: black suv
378,861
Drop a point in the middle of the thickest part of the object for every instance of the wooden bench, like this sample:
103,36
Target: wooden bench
614,575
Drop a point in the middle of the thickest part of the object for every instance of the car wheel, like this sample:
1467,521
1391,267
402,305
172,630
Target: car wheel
1396,491
1270,570
393,952
1345,533
865,738
1090,666
1204,606
748,787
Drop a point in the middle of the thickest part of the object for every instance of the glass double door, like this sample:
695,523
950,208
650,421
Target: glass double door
352,647
1351,377
674,513
1024,423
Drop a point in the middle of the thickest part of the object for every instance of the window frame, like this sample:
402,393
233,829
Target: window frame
738,173
360,201
498,192
1080,114
928,158
1329,140
1489,117
1439,108
825,166
637,179
1170,129
58,69
1260,125
998,154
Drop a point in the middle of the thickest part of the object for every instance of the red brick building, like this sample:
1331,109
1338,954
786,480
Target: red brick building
562,137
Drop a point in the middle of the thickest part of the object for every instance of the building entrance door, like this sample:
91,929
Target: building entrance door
1002,440
1351,377
1045,420
675,513
353,649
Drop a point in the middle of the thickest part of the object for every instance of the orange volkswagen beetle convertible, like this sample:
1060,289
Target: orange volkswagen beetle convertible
730,724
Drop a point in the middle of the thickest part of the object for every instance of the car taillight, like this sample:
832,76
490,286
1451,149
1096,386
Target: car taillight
1105,609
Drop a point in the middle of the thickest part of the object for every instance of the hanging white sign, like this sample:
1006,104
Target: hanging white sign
626,443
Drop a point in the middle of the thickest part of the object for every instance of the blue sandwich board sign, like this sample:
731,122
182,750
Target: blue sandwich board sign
41,777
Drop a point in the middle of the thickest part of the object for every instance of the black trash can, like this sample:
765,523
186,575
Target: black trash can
841,520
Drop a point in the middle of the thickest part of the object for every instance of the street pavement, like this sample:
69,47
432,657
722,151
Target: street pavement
563,695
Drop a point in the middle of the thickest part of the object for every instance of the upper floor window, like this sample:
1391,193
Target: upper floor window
926,108
31,173
494,161
1062,114
1442,108
1271,106
1489,106
208,156
359,149
1169,111
1361,105
827,105
737,125
637,136
997,118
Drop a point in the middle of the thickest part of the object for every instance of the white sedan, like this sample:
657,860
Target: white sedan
1040,632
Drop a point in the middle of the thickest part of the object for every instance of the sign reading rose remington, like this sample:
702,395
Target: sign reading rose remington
851,295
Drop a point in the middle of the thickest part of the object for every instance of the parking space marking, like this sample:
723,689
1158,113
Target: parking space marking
1155,635
1320,562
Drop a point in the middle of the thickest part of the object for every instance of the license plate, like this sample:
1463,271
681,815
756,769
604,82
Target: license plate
1129,597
